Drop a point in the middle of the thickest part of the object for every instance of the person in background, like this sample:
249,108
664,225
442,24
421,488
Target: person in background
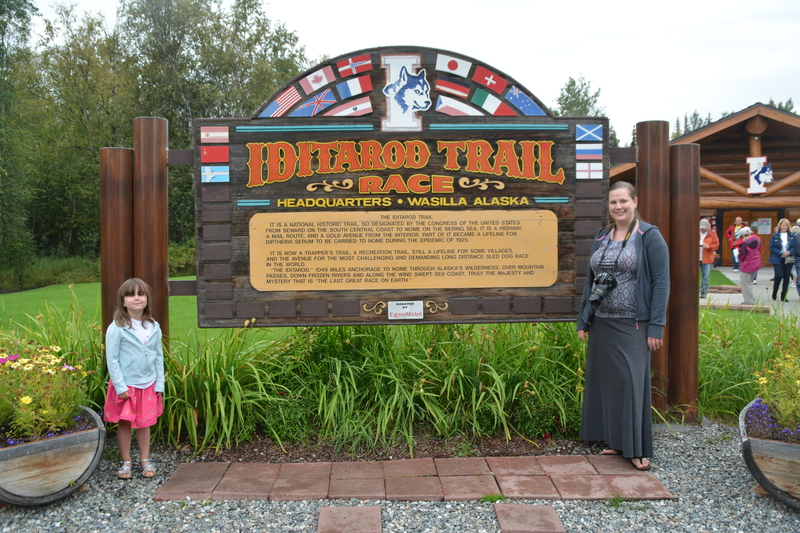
622,316
782,248
709,242
796,235
749,263
731,234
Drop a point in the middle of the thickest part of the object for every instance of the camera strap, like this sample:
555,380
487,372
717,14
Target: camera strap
624,242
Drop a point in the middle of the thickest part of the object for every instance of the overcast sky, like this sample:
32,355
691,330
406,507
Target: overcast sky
651,60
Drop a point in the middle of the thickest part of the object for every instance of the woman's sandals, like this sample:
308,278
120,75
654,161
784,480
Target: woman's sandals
637,462
124,471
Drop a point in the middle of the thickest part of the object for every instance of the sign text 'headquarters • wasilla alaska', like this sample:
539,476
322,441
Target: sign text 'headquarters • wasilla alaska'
397,185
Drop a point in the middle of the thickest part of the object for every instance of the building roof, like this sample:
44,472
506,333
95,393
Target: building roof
780,122
776,122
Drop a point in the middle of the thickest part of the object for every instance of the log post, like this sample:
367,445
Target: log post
116,225
684,306
652,183
150,205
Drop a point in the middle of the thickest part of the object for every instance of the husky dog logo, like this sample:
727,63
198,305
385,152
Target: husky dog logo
406,93
760,173
411,92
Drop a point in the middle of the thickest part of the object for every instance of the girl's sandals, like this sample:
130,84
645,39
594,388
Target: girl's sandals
147,469
124,471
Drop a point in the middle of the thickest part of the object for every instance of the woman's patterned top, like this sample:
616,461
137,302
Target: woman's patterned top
620,302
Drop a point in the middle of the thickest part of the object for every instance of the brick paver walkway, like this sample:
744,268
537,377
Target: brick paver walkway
568,477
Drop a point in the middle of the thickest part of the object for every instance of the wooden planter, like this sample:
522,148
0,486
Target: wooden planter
774,464
38,473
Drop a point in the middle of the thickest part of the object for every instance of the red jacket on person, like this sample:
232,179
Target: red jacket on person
730,233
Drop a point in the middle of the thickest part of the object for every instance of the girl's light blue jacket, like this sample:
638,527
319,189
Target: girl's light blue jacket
130,361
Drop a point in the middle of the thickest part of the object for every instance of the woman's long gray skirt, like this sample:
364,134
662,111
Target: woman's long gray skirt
616,401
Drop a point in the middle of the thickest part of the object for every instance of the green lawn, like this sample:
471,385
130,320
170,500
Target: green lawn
17,306
718,278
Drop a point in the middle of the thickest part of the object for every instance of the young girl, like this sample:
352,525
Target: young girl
136,368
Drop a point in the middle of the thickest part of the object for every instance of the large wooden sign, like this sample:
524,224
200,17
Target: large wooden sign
397,185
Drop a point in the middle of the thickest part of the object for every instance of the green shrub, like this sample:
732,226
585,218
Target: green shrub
182,260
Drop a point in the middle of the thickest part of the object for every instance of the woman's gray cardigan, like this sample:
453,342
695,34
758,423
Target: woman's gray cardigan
652,280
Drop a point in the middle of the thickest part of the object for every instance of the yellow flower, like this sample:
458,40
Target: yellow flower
26,400
762,381
55,348
44,411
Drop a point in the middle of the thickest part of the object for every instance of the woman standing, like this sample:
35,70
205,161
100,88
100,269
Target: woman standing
749,264
623,321
782,248
709,242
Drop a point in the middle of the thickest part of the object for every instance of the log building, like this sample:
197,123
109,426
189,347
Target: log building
725,146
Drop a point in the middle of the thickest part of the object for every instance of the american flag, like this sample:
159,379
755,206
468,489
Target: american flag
282,103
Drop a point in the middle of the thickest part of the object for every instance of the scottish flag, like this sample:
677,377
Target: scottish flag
591,132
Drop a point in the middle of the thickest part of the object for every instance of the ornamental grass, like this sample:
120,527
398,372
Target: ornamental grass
367,387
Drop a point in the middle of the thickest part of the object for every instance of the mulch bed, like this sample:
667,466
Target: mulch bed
264,450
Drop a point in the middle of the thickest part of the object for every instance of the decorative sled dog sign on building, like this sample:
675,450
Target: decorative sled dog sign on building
397,185
760,173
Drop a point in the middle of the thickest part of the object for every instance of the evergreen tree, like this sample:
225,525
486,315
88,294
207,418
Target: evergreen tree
690,123
576,99
787,106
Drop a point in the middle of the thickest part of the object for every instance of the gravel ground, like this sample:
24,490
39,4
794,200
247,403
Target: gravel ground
704,469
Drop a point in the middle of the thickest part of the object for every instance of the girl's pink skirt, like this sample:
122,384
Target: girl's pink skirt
141,409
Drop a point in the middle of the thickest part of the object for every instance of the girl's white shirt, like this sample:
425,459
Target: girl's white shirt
142,330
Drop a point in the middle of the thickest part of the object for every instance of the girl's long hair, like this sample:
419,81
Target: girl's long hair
129,288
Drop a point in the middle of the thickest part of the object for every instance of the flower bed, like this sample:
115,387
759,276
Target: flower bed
40,392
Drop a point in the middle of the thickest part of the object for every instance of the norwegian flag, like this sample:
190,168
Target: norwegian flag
353,65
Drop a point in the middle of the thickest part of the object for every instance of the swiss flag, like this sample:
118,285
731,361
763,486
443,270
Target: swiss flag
489,79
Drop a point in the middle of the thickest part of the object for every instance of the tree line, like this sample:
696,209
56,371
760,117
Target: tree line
79,86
